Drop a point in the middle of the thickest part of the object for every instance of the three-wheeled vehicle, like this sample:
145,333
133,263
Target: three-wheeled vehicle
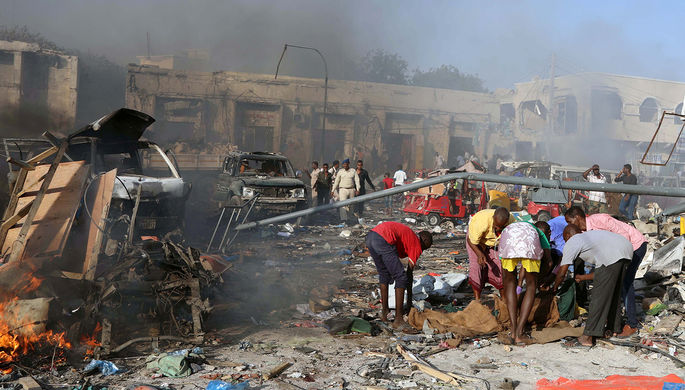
447,201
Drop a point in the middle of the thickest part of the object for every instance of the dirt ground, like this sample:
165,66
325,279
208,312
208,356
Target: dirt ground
260,321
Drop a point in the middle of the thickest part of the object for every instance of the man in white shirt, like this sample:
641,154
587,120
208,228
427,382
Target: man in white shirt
439,161
400,176
334,172
597,200
347,184
314,176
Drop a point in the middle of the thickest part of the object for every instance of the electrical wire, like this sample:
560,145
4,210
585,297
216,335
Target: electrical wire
85,202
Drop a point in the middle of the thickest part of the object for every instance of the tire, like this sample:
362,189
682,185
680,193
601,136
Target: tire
543,216
434,219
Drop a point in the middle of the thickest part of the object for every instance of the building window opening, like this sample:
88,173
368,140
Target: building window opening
567,115
606,105
649,110
532,111
6,57
678,110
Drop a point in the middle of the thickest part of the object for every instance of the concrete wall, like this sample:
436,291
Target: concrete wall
38,89
384,124
607,108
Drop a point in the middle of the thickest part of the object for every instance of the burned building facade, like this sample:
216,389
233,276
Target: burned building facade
598,117
386,125
38,88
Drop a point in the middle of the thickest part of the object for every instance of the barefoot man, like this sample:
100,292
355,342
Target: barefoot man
481,245
522,243
388,243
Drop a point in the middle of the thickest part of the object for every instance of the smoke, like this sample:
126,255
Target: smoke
503,42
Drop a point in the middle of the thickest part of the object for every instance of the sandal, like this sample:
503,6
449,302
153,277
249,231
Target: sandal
575,344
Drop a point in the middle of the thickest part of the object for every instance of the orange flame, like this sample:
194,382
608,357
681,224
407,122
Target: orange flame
91,341
17,339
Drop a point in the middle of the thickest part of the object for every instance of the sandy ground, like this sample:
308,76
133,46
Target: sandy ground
254,326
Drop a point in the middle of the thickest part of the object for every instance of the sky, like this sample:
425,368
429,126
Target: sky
504,42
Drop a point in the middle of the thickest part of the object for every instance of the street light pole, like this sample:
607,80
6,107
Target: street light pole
325,89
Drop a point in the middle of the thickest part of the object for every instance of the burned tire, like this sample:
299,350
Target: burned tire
543,216
434,219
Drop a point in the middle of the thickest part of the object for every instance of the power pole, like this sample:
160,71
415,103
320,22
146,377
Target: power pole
551,111
148,45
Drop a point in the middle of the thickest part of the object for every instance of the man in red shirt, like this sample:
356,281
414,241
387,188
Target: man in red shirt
388,243
388,182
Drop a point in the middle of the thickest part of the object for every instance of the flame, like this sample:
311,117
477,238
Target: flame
91,341
17,338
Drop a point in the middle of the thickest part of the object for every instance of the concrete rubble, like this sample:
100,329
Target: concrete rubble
296,310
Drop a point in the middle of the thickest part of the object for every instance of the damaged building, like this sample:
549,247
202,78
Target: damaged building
386,125
611,117
38,87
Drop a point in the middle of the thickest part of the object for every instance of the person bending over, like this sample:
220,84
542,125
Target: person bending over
388,243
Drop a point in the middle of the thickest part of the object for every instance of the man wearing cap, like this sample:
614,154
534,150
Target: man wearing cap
347,184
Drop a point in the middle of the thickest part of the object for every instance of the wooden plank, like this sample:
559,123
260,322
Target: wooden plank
19,245
42,155
44,231
20,164
99,209
11,221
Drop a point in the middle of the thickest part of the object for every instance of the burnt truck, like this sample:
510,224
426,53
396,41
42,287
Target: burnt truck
114,141
269,176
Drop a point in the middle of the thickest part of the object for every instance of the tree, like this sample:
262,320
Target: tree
449,77
381,67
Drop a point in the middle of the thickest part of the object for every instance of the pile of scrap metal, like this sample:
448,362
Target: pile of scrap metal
79,239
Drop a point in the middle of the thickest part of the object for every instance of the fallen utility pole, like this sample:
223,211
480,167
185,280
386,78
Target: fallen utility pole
525,181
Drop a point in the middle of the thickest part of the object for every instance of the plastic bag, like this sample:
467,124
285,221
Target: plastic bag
104,366
221,385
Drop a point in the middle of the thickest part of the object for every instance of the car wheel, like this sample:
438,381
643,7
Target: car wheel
434,219
543,216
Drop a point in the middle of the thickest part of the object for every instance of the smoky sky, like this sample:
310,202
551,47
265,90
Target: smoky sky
502,41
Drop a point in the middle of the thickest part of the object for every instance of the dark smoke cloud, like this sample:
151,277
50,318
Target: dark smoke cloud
502,41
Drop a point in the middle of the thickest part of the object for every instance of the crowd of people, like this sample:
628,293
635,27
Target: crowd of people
523,260
336,183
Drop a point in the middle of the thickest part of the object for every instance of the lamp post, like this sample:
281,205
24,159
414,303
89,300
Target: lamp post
325,93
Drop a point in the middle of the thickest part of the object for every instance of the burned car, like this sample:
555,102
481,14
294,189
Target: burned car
269,176
114,142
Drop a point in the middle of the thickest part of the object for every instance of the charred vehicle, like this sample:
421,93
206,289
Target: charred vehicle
114,142
269,176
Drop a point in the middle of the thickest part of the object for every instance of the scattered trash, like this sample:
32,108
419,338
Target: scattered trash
221,385
104,366
345,233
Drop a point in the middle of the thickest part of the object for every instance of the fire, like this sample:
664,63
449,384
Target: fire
91,341
22,331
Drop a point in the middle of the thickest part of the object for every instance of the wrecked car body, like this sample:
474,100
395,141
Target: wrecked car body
114,142
269,176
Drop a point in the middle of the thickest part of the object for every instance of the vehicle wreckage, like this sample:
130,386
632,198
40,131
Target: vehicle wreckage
89,236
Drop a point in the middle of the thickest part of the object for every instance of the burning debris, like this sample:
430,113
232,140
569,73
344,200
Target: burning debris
83,273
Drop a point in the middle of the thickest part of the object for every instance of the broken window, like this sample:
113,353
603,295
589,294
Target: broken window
533,114
506,115
649,110
678,110
606,105
6,57
566,119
